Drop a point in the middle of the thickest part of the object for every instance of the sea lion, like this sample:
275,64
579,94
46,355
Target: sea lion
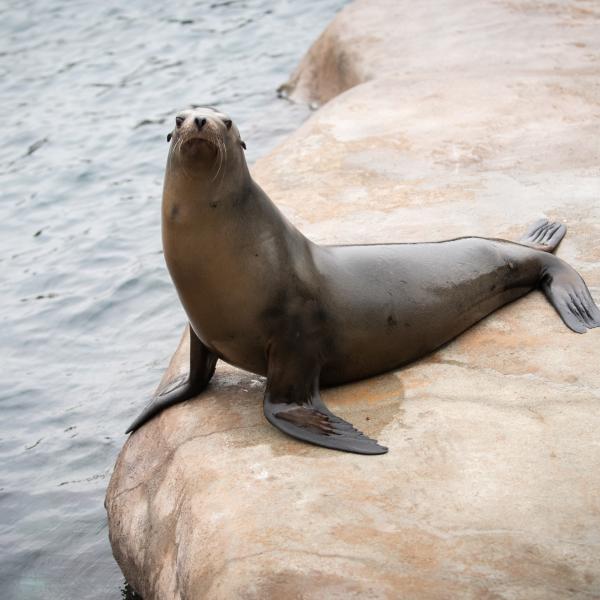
262,297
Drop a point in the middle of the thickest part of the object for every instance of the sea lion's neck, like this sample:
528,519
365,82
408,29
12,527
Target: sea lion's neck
220,241
227,217
191,192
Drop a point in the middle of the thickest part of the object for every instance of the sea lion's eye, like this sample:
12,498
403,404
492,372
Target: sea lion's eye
227,123
179,121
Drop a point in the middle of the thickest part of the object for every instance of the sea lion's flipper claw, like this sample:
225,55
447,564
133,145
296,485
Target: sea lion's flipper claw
202,367
544,235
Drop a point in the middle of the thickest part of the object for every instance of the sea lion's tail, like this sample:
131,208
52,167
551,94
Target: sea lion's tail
567,292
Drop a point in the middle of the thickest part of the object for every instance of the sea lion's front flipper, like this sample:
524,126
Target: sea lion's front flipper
202,367
293,404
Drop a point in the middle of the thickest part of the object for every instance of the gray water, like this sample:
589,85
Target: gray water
88,316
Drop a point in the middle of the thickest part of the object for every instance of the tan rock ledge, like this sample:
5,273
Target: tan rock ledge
469,117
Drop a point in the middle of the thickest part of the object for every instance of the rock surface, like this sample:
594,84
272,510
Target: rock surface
466,117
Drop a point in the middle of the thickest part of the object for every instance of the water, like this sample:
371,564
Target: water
88,316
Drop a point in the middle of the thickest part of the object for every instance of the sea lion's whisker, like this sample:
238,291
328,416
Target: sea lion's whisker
220,147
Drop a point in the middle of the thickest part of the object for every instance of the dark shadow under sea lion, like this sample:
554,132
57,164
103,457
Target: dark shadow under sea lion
262,297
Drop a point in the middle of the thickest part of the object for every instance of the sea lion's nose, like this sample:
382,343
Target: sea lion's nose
199,123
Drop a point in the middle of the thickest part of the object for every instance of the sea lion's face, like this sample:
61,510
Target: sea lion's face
205,139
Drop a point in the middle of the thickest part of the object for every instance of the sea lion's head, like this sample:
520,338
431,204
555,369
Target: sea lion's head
205,142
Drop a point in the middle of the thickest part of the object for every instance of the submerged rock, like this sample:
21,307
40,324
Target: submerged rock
464,118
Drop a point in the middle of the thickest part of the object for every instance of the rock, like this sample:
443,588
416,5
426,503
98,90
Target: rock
465,118
430,39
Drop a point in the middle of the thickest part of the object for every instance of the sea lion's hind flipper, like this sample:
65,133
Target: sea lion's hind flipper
568,293
202,368
313,422
544,235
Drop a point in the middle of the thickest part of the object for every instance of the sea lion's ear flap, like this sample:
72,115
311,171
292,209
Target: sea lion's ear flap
169,136
243,144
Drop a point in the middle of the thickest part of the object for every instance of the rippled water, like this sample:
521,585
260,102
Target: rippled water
88,316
